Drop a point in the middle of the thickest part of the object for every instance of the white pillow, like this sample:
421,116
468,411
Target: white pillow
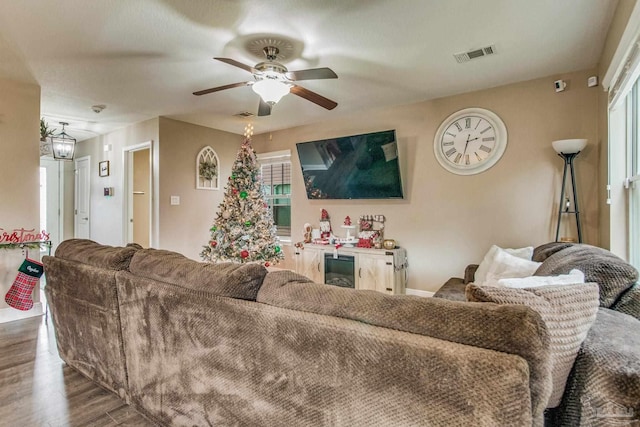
483,268
575,276
505,266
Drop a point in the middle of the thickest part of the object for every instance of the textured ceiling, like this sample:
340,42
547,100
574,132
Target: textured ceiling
144,58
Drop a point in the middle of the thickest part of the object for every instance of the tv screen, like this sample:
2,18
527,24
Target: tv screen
352,167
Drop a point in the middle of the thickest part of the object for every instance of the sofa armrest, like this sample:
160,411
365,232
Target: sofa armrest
470,272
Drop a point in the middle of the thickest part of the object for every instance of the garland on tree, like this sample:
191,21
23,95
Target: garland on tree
243,230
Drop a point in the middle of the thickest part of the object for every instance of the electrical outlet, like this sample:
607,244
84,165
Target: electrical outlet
175,200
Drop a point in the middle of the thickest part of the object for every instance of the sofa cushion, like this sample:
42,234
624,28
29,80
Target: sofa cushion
224,279
611,273
510,329
629,302
567,310
606,375
94,254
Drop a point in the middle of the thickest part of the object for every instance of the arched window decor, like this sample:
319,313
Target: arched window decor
207,170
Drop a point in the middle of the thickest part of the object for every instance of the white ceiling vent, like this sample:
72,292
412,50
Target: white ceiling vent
244,114
475,54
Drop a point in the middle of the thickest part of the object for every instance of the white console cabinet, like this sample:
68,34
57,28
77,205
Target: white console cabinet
361,268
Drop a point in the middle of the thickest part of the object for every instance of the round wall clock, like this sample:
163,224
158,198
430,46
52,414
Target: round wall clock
470,141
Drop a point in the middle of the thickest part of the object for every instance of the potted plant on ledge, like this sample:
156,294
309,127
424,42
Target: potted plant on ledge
45,133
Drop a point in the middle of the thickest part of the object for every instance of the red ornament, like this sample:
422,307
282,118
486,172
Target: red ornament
235,191
213,243
244,254
267,264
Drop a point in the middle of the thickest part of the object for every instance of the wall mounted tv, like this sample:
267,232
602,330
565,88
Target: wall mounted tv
352,167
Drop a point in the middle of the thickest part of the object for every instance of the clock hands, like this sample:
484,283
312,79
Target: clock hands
466,145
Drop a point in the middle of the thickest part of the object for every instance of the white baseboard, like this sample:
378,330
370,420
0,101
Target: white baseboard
419,293
10,314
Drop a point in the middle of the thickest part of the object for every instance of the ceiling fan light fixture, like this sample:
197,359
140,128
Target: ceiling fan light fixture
271,90
63,145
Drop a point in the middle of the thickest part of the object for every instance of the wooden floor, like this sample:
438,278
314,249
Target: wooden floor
38,389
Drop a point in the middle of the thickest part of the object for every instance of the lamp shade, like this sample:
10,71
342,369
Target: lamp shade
569,146
270,90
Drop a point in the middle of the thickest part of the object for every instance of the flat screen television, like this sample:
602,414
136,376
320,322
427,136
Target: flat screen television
352,167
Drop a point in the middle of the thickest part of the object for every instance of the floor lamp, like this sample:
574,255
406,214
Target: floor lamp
569,149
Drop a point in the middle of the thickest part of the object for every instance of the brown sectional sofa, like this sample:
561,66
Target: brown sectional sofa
193,344
603,388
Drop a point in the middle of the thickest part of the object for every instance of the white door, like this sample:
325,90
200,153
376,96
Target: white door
50,199
82,198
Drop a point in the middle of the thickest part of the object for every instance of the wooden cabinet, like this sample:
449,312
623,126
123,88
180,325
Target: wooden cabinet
310,263
375,269
375,272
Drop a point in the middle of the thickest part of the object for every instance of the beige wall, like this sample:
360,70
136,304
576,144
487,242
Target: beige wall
448,221
107,212
19,174
185,228
616,29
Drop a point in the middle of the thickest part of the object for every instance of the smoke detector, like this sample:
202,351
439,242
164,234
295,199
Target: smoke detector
475,53
98,108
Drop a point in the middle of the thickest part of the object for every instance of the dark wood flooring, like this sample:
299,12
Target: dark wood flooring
38,389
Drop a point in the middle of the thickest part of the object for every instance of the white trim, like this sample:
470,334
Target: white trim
419,293
9,314
274,156
630,34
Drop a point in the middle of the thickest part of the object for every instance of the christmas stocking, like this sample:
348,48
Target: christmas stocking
19,296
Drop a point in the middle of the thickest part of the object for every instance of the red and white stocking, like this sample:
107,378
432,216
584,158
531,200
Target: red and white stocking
19,295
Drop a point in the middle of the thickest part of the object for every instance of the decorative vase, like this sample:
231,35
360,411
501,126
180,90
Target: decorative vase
389,244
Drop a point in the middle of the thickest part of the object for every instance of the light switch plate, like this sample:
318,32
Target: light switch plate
175,200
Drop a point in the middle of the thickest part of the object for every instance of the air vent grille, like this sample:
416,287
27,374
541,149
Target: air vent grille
475,53
244,114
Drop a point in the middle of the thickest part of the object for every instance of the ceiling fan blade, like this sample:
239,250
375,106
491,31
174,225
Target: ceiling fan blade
312,74
216,89
264,109
237,64
314,97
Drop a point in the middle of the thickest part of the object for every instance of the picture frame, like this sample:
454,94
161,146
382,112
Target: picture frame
103,168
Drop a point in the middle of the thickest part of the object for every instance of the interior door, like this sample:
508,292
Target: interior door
82,198
141,218
50,192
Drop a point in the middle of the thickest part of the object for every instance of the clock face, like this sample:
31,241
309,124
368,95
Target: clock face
470,141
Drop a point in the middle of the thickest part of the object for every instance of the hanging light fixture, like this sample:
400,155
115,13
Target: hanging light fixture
63,146
271,90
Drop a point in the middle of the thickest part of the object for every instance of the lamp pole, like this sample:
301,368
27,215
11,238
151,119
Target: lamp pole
568,165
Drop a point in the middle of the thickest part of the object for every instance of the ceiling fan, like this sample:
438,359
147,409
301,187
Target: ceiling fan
272,81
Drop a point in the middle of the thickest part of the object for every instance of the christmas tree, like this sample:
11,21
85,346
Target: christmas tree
244,230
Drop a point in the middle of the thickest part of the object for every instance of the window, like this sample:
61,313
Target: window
276,177
633,175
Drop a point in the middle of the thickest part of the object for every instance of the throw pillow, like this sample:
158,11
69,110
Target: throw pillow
613,274
568,312
574,276
481,272
508,266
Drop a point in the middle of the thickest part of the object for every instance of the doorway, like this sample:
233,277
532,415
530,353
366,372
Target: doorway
138,194
82,198
51,200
